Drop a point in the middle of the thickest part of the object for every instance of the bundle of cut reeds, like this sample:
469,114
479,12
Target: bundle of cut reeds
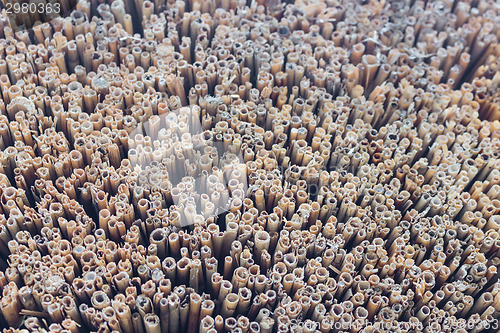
251,166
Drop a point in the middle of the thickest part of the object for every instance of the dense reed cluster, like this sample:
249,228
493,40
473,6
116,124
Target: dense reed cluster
252,166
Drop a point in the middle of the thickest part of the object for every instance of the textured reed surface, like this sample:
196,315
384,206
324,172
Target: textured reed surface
366,197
